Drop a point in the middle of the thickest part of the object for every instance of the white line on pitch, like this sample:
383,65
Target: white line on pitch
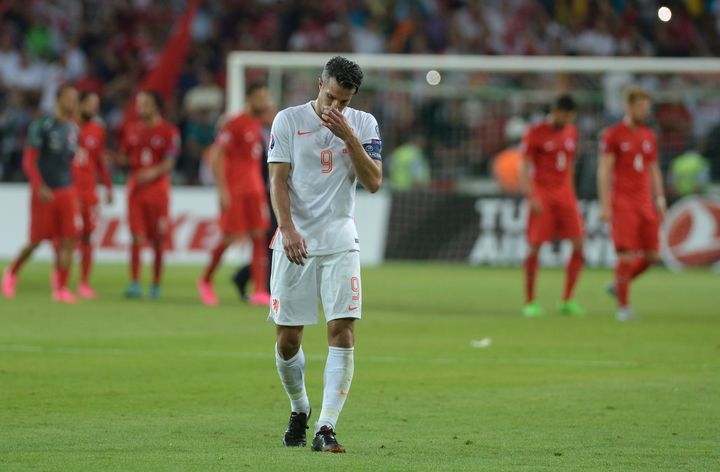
318,357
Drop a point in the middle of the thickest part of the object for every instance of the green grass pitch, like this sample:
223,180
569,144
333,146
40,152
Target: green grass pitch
115,385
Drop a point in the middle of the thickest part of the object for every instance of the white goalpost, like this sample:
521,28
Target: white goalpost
239,61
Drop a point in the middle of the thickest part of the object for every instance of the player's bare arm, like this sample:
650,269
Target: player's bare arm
605,166
31,170
294,244
151,173
105,159
526,186
216,155
367,169
656,181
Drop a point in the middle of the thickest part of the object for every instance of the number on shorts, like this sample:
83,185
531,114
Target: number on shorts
355,287
638,162
561,162
326,159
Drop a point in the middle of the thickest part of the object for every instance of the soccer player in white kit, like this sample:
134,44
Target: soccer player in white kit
317,153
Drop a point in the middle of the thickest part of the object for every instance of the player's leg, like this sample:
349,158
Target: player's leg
294,305
88,211
256,213
290,363
66,234
138,238
650,254
204,283
158,226
86,255
626,231
240,279
570,227
259,268
40,229
531,308
623,275
572,273
10,274
539,231
341,292
337,379
158,264
65,254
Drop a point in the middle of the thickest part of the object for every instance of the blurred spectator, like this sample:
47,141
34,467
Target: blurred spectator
206,96
408,166
107,45
26,73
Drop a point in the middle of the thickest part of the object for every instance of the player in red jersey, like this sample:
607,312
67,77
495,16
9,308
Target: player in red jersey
47,161
236,160
150,146
548,181
88,164
628,178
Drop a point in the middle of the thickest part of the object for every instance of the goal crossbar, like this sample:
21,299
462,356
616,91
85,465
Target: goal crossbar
239,61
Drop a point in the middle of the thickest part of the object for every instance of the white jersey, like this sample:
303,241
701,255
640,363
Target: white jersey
322,182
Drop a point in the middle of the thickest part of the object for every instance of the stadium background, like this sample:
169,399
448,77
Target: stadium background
444,145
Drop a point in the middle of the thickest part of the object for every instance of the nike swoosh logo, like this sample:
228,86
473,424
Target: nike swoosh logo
303,133
352,308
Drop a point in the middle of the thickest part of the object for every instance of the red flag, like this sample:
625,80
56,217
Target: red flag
163,77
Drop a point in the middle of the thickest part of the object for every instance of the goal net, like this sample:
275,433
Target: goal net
450,126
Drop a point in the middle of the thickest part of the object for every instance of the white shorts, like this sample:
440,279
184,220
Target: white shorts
294,289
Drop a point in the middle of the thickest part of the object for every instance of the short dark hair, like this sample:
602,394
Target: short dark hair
565,102
347,73
61,90
254,87
156,98
86,93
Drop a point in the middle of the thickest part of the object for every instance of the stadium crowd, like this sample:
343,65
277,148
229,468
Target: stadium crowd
107,45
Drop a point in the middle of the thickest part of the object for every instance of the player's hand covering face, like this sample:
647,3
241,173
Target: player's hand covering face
333,95
334,120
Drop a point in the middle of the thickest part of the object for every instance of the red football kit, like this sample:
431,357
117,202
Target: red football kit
635,223
86,166
552,152
148,203
242,143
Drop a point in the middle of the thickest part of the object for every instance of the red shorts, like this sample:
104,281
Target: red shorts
148,214
56,219
557,220
246,212
88,214
635,229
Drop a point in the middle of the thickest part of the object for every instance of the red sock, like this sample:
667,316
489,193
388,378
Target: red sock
62,279
135,261
259,264
158,262
639,265
86,251
215,258
572,273
623,272
531,265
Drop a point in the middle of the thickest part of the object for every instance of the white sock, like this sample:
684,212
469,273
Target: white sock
338,377
292,375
